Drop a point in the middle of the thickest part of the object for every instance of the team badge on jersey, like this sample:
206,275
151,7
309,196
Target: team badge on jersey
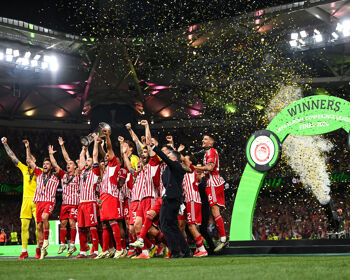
263,150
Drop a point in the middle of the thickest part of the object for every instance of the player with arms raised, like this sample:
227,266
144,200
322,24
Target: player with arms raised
45,198
70,200
28,208
111,208
87,208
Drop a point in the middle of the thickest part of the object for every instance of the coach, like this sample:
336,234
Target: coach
172,180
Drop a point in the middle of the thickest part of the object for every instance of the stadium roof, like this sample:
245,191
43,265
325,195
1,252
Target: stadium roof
88,72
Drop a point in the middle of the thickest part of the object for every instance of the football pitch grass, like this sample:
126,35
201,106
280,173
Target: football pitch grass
225,267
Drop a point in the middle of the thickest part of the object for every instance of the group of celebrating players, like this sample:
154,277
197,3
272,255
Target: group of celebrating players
101,191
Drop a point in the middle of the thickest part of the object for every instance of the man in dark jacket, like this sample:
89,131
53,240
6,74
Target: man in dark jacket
172,179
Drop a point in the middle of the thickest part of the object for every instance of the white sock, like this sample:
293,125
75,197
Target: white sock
83,253
201,249
140,239
24,250
96,252
223,239
145,252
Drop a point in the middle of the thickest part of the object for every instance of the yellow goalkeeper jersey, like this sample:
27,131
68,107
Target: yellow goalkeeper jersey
29,180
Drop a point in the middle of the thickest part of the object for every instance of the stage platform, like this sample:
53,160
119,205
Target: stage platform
300,246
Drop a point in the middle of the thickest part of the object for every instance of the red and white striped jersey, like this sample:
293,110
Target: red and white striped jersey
127,187
190,186
70,187
137,189
88,182
149,179
122,174
109,184
213,178
46,186
97,191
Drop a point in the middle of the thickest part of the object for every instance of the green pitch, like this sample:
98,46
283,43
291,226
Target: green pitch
257,268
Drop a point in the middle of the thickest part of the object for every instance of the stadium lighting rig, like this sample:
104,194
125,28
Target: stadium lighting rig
29,61
311,38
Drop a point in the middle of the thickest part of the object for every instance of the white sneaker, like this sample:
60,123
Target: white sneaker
102,255
61,249
45,244
111,253
43,254
138,243
120,254
220,246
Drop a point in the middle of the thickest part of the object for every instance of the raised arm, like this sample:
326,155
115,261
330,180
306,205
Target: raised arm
169,162
52,159
82,157
101,149
9,152
28,152
108,142
126,159
31,163
170,140
87,155
133,135
95,150
63,149
148,137
121,144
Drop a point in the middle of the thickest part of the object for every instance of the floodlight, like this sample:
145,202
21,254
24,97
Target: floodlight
47,58
335,35
303,34
9,51
339,27
16,53
1,55
37,57
25,61
53,64
9,58
318,38
293,43
294,36
44,65
27,55
34,63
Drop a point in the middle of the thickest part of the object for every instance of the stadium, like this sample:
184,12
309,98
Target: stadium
153,139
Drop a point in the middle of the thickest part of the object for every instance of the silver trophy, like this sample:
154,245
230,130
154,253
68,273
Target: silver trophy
87,140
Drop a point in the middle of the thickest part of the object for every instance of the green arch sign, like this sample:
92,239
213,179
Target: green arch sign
313,115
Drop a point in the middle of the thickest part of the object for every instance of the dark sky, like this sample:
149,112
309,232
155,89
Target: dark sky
126,16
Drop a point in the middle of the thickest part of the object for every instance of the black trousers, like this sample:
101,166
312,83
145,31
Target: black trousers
170,228
203,228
